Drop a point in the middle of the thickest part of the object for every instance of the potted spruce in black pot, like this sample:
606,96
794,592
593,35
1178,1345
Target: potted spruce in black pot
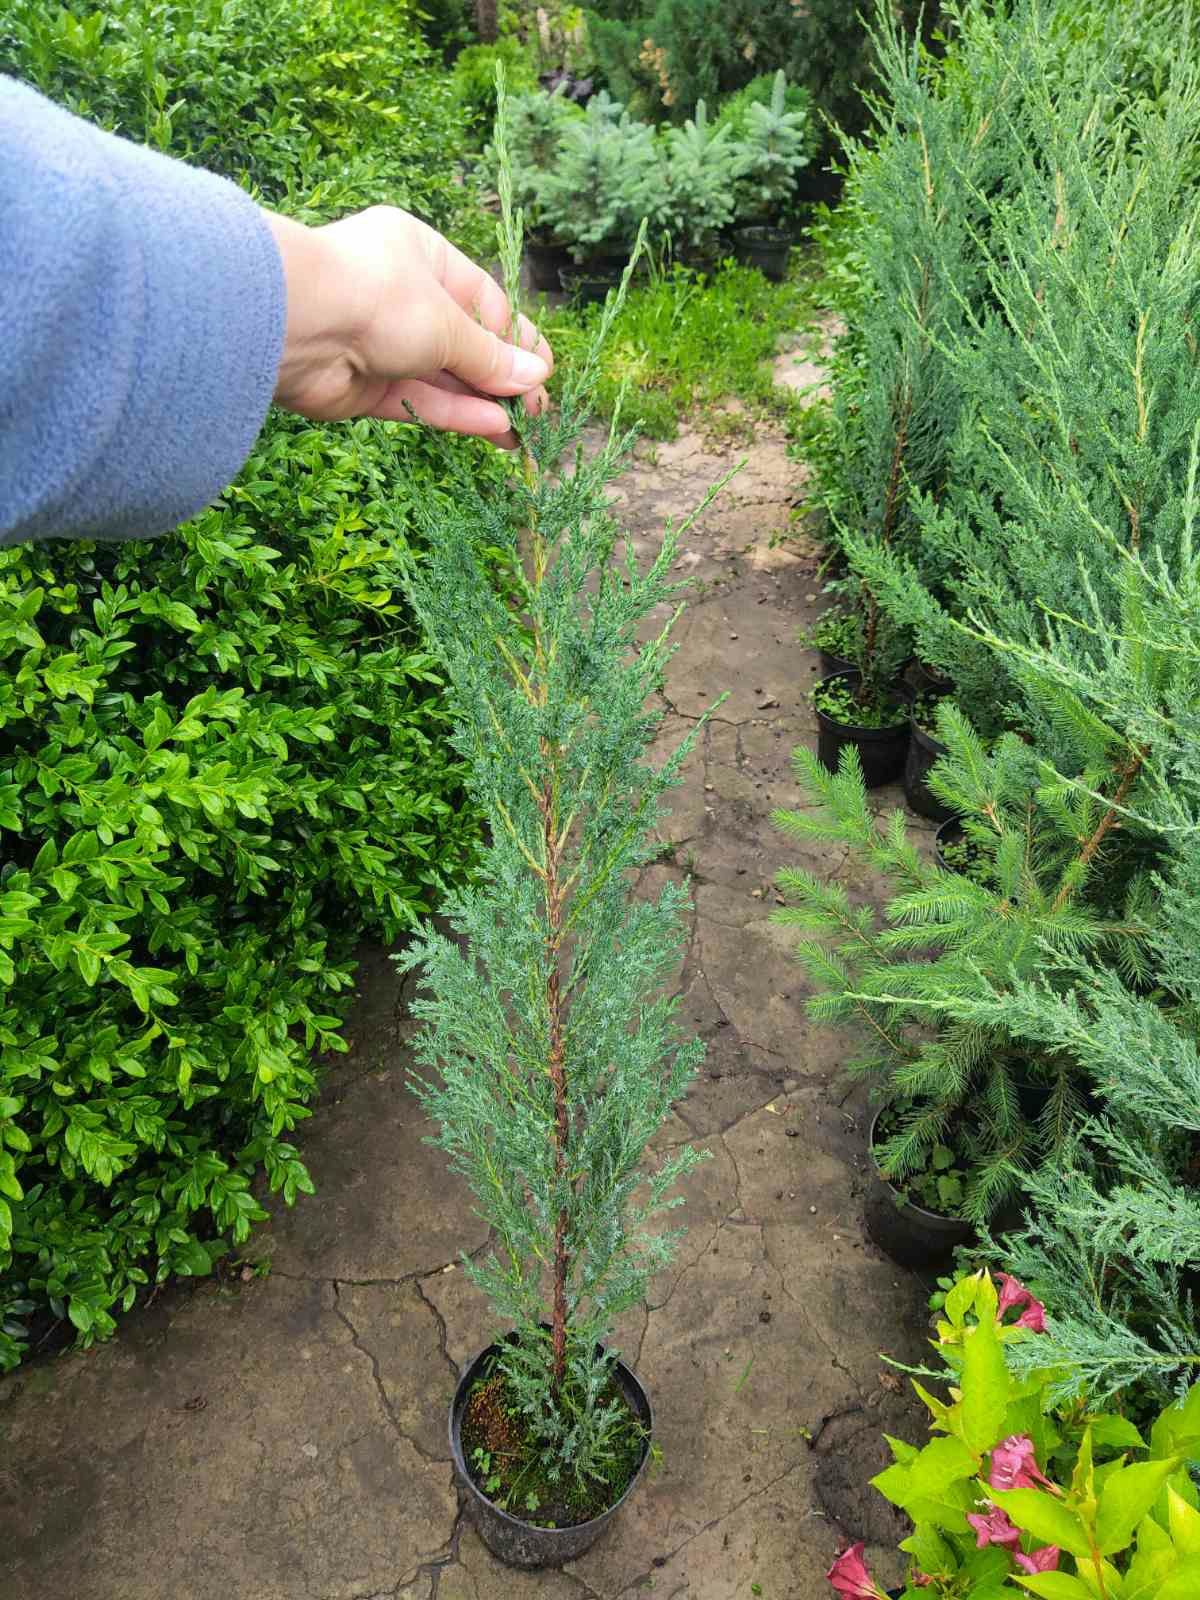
604,181
548,1058
775,143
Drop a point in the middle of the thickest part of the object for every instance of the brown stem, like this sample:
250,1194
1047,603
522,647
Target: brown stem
1128,775
556,1065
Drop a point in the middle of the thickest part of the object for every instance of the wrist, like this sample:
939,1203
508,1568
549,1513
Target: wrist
320,330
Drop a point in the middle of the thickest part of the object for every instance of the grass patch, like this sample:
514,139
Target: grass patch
684,341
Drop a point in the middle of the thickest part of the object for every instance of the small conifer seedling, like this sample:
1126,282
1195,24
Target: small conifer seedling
548,1057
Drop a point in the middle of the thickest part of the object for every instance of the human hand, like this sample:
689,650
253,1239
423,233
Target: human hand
384,315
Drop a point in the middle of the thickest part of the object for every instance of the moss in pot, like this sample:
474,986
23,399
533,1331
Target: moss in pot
548,1058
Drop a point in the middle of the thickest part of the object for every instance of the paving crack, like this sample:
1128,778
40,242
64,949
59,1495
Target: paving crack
389,1410
434,1569
440,1320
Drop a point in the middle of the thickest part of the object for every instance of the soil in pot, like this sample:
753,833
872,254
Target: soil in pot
923,750
522,1515
765,248
875,724
915,1220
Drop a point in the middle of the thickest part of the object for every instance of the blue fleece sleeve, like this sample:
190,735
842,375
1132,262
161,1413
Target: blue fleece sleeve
142,308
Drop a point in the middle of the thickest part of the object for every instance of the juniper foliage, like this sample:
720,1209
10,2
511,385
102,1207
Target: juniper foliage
549,1057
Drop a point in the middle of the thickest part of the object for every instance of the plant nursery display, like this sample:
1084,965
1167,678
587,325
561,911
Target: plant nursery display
548,1058
1015,1495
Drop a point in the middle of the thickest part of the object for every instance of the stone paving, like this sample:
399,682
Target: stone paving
282,1436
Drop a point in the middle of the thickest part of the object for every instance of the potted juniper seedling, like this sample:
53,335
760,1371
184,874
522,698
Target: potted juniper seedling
548,1057
866,708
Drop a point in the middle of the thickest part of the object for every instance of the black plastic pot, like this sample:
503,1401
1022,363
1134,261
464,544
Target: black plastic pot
519,1543
924,680
590,282
831,664
910,1235
950,832
764,248
545,262
880,750
923,751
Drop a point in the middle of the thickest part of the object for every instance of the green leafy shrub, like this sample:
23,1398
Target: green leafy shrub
1013,1495
475,79
320,109
221,758
223,754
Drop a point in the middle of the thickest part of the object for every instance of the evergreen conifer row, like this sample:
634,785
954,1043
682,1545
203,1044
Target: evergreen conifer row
1014,484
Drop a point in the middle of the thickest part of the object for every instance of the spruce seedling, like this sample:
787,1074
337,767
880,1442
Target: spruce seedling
549,1058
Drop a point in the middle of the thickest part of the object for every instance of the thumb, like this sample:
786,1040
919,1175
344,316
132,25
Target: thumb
483,360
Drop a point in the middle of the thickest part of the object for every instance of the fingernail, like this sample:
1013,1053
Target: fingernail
528,369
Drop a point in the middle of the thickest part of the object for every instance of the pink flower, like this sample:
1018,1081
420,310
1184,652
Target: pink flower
1014,1465
1015,1296
1033,1317
849,1576
1012,1293
1043,1560
994,1528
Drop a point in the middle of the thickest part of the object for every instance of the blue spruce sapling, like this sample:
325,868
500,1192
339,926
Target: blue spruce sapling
548,1057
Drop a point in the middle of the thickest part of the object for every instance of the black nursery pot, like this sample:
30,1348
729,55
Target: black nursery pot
880,750
519,1543
950,832
545,262
831,664
764,248
923,751
590,282
910,1235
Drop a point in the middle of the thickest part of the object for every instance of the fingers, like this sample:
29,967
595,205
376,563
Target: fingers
454,411
487,362
478,294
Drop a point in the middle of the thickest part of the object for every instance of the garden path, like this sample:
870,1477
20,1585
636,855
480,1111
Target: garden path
283,1437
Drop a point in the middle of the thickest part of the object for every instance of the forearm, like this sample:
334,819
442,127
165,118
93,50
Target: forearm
142,308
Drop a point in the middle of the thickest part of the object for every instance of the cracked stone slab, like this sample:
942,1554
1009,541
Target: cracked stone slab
242,1452
386,1206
